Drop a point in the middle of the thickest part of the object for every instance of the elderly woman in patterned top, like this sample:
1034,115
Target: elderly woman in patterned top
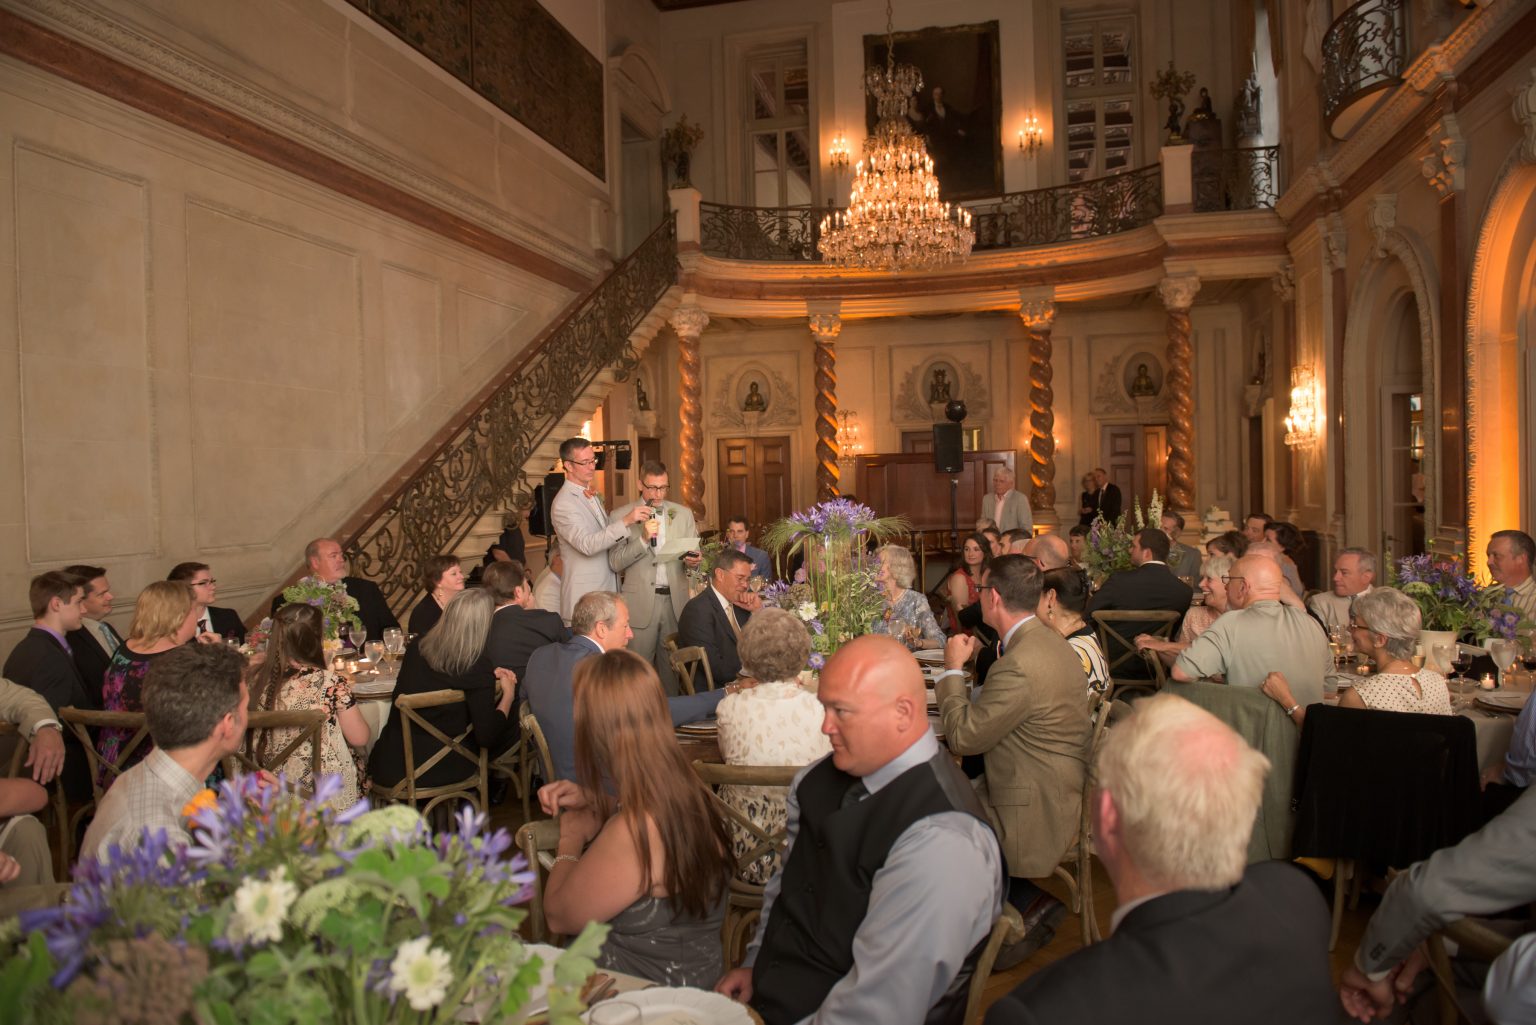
908,617
1384,625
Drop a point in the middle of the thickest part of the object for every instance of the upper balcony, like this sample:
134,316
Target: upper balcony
1364,55
1207,211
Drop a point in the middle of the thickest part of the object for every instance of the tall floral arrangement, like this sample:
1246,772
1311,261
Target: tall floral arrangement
839,598
282,910
1450,599
336,606
1108,549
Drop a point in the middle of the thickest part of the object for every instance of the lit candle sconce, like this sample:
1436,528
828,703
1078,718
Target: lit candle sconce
1031,136
838,153
1306,417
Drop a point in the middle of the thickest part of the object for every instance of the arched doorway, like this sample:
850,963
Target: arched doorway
1501,376
1389,452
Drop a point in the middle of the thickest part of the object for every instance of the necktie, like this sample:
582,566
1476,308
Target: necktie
730,617
999,649
110,637
590,493
854,794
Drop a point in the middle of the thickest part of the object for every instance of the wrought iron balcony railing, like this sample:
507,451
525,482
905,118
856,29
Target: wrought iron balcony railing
1061,213
1364,51
1103,206
1236,179
481,462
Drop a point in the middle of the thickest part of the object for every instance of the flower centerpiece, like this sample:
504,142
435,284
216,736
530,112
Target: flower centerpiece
282,910
1108,549
838,599
1452,601
337,609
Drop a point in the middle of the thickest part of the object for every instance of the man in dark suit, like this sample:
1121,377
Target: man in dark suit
324,560
211,619
600,623
1149,585
517,628
1176,797
714,618
42,661
1108,498
95,642
737,530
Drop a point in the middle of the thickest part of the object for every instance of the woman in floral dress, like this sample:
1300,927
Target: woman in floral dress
164,617
293,678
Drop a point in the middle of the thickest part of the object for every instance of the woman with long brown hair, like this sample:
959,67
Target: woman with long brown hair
292,678
641,844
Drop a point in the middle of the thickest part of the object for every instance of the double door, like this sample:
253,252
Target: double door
754,480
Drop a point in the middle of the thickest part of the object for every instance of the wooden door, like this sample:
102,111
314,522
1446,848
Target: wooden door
1136,458
754,480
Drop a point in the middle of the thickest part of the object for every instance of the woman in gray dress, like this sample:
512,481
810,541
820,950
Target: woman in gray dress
654,863
908,617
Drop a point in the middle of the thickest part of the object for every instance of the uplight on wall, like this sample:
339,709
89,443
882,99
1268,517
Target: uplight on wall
838,153
1306,416
1031,136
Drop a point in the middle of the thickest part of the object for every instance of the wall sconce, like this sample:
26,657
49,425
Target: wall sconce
1031,136
848,443
838,153
1306,417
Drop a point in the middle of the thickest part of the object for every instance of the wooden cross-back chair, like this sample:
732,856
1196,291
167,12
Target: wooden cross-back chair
104,772
1118,630
310,726
534,747
687,662
474,788
538,842
754,843
1076,867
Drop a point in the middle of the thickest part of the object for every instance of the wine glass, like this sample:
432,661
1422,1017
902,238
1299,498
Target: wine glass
394,643
357,636
1461,660
1503,652
374,652
1444,654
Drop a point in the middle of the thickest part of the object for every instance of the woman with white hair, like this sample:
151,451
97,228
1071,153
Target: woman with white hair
908,617
1384,625
1213,585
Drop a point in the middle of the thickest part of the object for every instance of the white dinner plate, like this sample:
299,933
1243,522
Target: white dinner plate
930,655
1504,700
662,1005
704,727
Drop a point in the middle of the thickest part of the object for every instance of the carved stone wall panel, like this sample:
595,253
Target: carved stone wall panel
924,377
295,430
484,322
86,415
728,384
1117,359
411,351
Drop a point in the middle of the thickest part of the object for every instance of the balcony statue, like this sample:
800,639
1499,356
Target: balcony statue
754,402
642,400
1250,123
1142,386
938,387
677,146
1171,85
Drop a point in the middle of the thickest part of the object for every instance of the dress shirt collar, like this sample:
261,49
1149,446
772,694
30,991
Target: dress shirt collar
923,749
55,635
1129,906
725,603
595,646
1015,629
170,772
206,620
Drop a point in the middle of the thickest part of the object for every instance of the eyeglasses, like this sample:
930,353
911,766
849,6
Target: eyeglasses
203,583
583,462
656,487
1228,579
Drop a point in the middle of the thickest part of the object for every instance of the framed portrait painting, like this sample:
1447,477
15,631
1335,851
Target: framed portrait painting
958,111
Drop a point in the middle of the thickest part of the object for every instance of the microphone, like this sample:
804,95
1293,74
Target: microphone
654,508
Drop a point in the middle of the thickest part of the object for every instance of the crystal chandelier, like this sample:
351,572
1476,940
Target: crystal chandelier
895,219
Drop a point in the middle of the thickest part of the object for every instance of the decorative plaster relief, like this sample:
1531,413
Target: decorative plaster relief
917,376
1119,360
1524,109
774,377
1445,166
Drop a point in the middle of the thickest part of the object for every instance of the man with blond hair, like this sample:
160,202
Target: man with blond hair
1196,936
1007,508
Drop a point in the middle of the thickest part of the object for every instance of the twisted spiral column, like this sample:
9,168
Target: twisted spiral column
1178,294
689,323
1038,316
826,327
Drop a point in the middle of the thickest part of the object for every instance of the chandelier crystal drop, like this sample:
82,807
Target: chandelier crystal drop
895,220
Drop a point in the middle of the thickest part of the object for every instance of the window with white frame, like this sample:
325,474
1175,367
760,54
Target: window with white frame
778,126
1099,94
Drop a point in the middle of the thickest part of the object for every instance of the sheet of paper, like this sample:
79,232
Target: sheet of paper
674,547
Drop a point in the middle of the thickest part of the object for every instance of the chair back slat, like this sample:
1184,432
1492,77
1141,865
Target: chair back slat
687,662
310,724
475,788
80,722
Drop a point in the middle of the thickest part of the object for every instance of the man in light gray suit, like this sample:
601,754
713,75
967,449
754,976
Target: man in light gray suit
1005,507
655,585
583,528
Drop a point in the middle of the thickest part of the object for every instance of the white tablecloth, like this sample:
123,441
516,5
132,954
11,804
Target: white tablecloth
1494,732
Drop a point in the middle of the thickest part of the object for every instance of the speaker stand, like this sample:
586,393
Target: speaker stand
954,513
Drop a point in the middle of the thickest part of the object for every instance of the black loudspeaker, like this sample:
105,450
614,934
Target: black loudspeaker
622,455
948,449
553,482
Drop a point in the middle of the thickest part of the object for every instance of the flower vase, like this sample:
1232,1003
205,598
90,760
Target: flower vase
1427,641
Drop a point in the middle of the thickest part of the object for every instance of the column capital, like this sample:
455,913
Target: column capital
1038,312
1178,291
1285,282
826,326
1445,166
1524,110
689,321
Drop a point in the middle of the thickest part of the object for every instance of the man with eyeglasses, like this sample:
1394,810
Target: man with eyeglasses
211,619
582,525
1258,635
655,584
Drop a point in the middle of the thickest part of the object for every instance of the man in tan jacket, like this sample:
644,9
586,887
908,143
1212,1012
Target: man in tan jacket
1030,724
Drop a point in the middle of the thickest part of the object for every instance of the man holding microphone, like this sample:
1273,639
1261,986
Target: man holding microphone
583,527
655,579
